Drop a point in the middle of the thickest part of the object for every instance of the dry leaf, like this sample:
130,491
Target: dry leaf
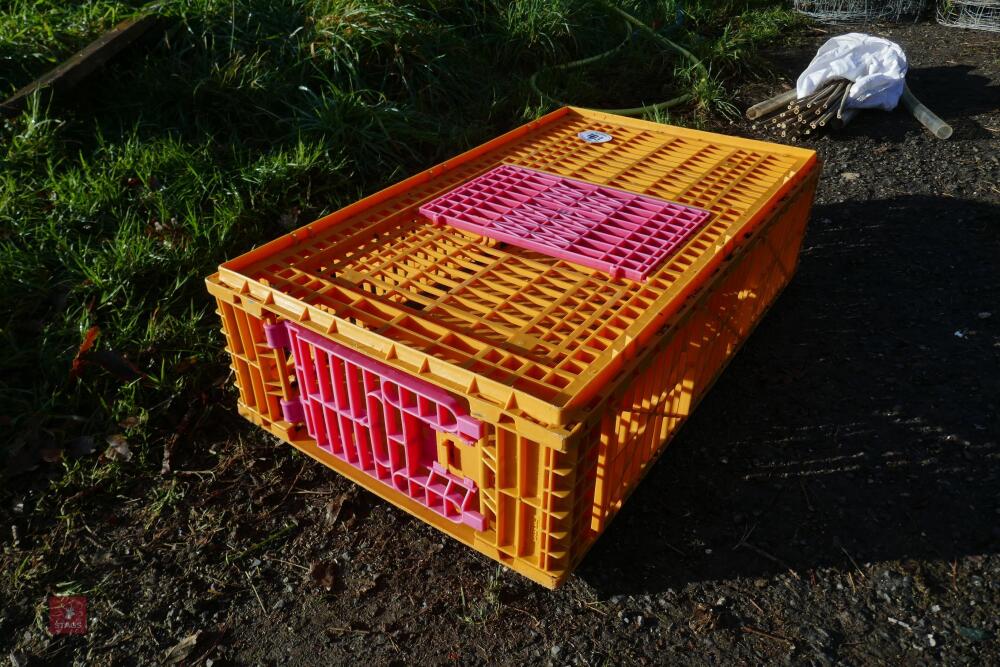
323,573
704,619
333,510
88,342
118,449
129,422
290,220
115,364
51,454
170,445
181,650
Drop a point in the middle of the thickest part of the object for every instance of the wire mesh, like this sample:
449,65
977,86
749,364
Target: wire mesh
861,11
976,14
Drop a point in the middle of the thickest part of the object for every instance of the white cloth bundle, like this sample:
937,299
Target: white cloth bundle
875,65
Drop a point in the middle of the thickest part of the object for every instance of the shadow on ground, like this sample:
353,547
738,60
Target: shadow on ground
956,93
860,423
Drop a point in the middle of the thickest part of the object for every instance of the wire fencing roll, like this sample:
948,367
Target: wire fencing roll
976,14
861,11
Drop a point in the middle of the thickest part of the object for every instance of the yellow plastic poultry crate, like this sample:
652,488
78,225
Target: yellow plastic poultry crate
509,397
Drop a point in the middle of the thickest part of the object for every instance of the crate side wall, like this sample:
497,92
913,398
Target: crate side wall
665,388
261,375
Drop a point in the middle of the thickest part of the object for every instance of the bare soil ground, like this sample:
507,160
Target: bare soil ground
836,498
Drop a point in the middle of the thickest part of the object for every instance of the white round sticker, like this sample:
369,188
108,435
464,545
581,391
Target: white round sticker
595,137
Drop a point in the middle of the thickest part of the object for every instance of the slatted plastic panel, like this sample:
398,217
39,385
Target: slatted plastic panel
618,232
380,421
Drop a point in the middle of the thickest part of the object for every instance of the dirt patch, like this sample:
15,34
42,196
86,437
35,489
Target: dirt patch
834,499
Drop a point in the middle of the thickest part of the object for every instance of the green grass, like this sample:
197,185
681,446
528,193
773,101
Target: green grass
247,117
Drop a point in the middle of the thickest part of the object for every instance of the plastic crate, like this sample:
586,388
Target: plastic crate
507,396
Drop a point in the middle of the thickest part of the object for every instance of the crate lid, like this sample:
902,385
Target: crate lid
619,232
518,331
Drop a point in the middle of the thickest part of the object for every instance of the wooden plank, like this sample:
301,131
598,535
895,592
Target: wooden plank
83,63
